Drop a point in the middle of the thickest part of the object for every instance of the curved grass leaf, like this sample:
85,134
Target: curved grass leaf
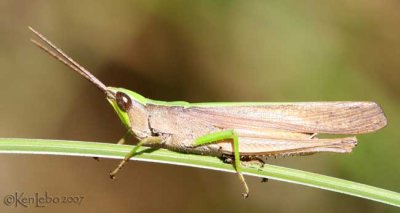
105,150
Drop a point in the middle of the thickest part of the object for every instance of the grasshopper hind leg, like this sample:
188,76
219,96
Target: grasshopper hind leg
247,161
226,135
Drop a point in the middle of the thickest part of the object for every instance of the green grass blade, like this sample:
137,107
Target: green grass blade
105,150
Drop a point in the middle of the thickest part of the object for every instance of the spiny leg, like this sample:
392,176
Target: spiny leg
223,135
148,140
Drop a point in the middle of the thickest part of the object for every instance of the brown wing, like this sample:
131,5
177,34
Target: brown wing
312,117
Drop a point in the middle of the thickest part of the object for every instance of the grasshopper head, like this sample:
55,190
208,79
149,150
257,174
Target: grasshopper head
124,102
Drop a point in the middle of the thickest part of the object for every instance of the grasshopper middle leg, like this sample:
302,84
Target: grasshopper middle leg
224,135
148,140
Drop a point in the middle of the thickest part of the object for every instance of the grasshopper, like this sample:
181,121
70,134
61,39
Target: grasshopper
239,131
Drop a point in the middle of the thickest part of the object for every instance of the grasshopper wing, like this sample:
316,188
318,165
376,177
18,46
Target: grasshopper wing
307,117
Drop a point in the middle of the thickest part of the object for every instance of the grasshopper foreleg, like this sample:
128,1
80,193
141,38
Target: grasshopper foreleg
120,141
224,135
125,137
148,140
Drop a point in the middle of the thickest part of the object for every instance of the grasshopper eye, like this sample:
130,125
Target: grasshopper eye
123,100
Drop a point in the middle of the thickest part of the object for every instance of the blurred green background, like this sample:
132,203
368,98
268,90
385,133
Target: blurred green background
197,51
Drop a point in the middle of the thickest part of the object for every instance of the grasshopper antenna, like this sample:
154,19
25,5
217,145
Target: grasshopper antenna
68,61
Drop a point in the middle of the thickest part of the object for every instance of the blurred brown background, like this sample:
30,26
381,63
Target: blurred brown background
197,51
